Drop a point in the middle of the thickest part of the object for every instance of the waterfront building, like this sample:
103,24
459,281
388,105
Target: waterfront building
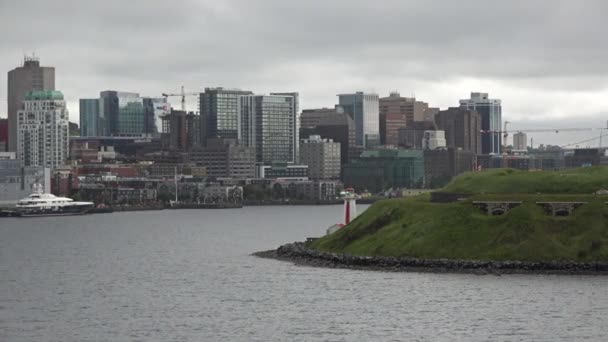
226,158
364,109
269,124
316,190
397,112
283,170
462,128
490,111
43,125
332,124
89,117
219,113
520,141
30,76
378,170
322,157
411,136
17,182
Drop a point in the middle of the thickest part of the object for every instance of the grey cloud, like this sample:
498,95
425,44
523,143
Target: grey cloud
519,50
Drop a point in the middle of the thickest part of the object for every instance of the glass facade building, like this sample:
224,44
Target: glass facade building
269,123
220,117
121,114
89,117
491,120
364,109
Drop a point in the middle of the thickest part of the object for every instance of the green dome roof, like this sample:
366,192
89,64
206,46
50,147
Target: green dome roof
44,95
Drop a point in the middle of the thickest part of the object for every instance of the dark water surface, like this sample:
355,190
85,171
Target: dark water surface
187,275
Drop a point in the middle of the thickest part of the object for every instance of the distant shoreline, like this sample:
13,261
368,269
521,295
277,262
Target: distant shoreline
299,254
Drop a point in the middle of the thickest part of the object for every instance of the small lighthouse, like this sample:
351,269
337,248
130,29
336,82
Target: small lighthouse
350,205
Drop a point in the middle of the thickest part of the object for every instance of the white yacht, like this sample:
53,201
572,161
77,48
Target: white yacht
43,204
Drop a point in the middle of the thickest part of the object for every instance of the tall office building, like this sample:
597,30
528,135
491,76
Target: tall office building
21,80
520,141
43,130
330,124
269,124
296,114
180,131
219,110
121,114
398,112
89,117
364,109
462,128
3,135
491,120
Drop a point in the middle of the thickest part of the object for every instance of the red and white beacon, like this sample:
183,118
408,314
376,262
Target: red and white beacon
350,204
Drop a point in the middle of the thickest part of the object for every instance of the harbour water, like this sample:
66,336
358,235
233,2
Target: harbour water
187,275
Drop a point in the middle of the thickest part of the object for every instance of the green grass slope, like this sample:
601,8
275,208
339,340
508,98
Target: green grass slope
500,181
418,228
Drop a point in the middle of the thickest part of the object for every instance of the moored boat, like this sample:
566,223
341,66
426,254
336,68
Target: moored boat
45,204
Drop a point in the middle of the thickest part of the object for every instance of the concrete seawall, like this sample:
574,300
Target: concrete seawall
298,253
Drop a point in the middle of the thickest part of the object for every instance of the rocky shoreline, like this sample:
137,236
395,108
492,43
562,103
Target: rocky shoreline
299,254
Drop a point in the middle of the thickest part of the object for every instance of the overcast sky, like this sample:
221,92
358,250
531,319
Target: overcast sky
546,60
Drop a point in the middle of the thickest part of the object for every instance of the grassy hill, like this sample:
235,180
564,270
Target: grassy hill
416,227
502,181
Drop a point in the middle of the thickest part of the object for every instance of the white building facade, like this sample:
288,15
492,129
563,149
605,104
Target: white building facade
43,130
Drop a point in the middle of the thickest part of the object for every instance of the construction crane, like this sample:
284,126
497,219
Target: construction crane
506,132
183,94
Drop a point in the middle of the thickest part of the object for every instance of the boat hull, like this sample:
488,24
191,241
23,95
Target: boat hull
54,211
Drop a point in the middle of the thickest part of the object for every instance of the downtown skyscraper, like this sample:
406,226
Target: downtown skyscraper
269,123
491,120
21,80
43,130
364,109
220,116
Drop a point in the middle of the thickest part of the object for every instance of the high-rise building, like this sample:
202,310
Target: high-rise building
322,157
364,109
3,135
330,124
180,131
398,112
89,117
21,80
491,120
296,115
462,128
154,110
520,141
269,124
121,114
219,110
43,130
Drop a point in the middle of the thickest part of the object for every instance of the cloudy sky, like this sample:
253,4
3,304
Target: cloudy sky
547,60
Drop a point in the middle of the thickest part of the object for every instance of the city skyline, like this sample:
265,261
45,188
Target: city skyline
548,70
